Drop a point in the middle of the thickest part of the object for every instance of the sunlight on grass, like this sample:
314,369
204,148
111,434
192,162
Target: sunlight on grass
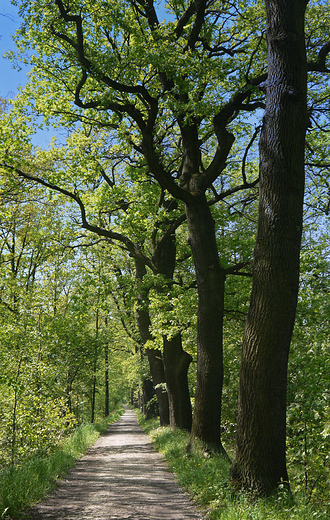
24,484
206,479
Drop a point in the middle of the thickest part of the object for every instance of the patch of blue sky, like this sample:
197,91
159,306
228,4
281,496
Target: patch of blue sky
13,77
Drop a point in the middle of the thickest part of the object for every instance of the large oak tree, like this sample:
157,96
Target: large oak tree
164,91
260,456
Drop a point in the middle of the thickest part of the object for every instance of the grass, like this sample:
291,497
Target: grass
25,484
206,479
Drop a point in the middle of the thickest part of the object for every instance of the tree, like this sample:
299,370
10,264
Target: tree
260,454
169,116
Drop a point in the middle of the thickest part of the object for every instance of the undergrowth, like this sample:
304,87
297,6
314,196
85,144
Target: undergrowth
206,479
26,483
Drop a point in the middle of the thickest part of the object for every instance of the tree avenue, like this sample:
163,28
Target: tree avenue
174,108
109,63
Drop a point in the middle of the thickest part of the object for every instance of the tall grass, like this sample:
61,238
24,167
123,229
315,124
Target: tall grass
23,485
206,479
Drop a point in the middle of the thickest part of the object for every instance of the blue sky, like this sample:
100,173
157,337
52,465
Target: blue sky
10,79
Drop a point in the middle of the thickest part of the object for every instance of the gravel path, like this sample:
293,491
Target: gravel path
120,477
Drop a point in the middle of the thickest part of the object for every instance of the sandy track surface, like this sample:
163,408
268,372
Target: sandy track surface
120,477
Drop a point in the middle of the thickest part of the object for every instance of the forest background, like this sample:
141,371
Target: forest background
97,272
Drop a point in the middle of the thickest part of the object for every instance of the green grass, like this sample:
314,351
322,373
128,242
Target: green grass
206,479
25,484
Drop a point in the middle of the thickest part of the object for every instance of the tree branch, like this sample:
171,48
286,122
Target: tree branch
253,138
130,246
199,20
191,10
231,191
234,269
320,64
86,63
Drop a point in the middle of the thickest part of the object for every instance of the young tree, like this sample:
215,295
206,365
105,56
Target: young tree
33,412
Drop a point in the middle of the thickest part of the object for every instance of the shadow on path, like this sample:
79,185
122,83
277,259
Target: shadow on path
120,477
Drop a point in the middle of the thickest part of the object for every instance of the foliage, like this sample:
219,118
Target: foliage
23,485
48,339
206,479
309,374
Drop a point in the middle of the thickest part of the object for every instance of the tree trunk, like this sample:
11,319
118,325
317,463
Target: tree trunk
158,378
154,355
176,362
210,280
106,380
95,361
149,405
68,391
93,395
260,459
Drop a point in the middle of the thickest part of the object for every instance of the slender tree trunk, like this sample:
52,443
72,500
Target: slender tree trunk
13,429
154,355
68,392
210,284
106,380
260,459
106,375
95,364
93,397
176,360
14,416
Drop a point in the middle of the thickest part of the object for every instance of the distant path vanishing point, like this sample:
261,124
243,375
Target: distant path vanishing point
121,477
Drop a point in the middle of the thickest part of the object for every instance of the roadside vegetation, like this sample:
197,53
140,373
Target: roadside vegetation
26,483
206,478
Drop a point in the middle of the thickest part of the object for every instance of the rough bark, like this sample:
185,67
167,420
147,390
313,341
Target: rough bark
210,283
150,408
176,362
260,459
158,378
154,355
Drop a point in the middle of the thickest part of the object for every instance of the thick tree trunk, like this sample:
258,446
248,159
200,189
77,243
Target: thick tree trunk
260,459
176,362
210,284
158,378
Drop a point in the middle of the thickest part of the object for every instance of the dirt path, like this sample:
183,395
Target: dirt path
120,477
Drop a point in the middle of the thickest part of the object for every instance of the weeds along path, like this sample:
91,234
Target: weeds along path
120,477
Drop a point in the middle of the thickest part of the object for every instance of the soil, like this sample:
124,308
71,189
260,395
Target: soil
120,477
